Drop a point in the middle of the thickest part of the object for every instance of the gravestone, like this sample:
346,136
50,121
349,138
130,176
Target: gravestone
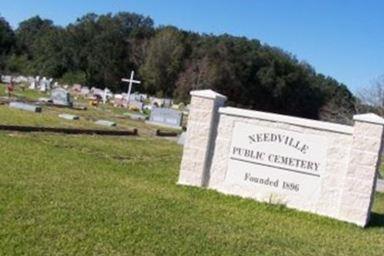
130,82
97,92
26,107
69,117
161,102
6,79
61,97
134,97
32,85
105,123
324,168
166,117
84,91
167,103
43,84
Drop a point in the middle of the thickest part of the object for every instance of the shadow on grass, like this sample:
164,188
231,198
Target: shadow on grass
377,220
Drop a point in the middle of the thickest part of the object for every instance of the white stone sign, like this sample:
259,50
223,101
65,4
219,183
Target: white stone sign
324,168
282,162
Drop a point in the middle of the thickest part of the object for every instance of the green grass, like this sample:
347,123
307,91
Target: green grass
382,169
83,195
86,195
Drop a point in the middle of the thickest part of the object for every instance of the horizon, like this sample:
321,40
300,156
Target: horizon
345,46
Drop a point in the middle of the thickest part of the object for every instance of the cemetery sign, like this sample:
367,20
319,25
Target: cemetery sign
276,160
320,167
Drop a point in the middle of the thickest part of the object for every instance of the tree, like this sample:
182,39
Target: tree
39,42
374,94
29,32
7,41
163,61
371,98
98,50
106,47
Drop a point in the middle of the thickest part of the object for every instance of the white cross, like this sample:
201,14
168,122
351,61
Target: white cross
130,81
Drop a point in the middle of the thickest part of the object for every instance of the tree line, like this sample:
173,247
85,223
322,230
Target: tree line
98,50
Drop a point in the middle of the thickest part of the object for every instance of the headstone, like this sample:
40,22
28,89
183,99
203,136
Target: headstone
69,117
324,168
32,85
107,94
97,92
138,96
167,103
43,84
61,97
157,102
166,117
84,91
31,82
6,79
20,79
131,81
105,123
134,97
26,107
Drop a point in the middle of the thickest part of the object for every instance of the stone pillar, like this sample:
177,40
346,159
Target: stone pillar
359,183
201,130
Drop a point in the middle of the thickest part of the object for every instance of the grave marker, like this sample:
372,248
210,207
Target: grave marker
69,117
166,117
105,123
130,81
26,107
61,97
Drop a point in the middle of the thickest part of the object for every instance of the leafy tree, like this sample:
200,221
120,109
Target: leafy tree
7,41
98,50
40,42
163,61
29,32
103,46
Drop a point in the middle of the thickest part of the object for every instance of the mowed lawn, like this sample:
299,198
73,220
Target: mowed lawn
93,195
